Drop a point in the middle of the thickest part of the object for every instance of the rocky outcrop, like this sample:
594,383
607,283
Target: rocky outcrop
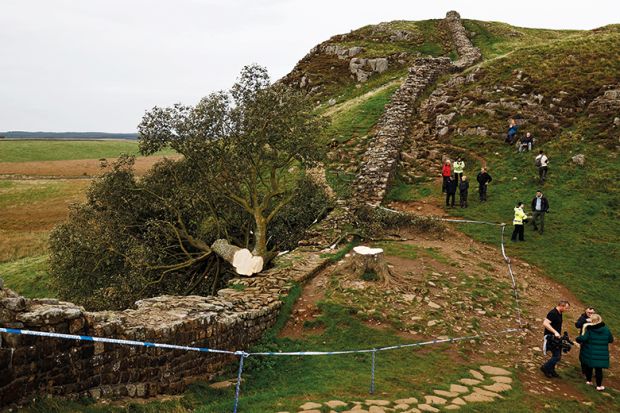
468,54
364,68
608,102
232,320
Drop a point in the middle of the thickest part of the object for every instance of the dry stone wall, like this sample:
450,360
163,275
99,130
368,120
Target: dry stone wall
232,320
382,156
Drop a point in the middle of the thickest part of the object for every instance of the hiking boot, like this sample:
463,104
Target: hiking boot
545,372
554,374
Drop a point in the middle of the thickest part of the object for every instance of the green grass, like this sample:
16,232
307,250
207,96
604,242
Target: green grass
359,119
28,276
55,150
580,248
401,191
23,193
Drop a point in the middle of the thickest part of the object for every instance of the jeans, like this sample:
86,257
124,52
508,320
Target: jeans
598,373
458,176
535,216
556,356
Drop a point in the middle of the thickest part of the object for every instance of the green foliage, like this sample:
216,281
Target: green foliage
51,150
374,222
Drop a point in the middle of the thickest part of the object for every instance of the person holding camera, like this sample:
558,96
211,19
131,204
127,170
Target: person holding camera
553,327
594,339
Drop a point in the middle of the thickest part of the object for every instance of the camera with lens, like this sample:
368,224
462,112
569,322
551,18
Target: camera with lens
564,343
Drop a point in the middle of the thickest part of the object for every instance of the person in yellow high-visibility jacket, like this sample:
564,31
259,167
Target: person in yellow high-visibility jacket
518,223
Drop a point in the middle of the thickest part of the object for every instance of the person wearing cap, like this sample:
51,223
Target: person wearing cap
594,339
520,216
459,167
540,206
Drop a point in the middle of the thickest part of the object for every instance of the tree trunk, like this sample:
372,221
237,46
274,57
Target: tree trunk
369,263
241,258
260,235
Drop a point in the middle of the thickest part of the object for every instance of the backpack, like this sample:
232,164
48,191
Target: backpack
538,161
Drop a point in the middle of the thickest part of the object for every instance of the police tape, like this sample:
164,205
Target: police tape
246,354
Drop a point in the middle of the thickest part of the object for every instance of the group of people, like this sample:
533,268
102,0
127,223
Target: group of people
454,179
540,206
594,338
524,144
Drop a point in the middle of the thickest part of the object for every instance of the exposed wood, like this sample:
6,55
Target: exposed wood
244,262
370,261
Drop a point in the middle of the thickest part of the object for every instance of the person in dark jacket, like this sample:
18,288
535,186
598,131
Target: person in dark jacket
446,172
483,179
540,206
583,319
595,338
451,186
464,191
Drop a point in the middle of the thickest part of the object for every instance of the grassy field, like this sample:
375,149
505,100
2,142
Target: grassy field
55,150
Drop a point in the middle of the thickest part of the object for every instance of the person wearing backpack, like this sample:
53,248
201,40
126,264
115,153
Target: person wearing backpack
595,339
483,179
542,162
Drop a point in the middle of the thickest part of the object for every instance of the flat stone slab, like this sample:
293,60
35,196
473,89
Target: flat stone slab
477,398
377,402
410,400
445,393
356,409
335,403
495,371
452,407
457,388
470,382
502,379
477,375
401,406
428,408
486,392
459,401
498,387
310,406
310,411
435,400
376,409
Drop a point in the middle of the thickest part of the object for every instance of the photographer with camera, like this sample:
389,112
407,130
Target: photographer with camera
553,327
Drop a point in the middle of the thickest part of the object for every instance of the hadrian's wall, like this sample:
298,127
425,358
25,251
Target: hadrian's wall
34,366
381,158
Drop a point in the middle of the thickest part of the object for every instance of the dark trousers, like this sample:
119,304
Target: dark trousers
535,216
542,173
598,372
482,190
463,199
450,196
556,356
518,231
445,182
458,177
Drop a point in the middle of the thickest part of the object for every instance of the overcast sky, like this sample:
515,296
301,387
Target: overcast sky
97,65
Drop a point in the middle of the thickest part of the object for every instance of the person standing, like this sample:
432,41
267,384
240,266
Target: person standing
540,206
542,162
451,186
483,179
583,319
464,191
553,326
518,223
446,172
459,167
595,338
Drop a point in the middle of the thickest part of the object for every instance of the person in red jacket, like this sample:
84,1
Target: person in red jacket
446,172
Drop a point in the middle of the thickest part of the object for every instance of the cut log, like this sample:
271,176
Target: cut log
370,261
240,258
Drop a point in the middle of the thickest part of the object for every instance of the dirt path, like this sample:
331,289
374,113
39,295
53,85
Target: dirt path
462,255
